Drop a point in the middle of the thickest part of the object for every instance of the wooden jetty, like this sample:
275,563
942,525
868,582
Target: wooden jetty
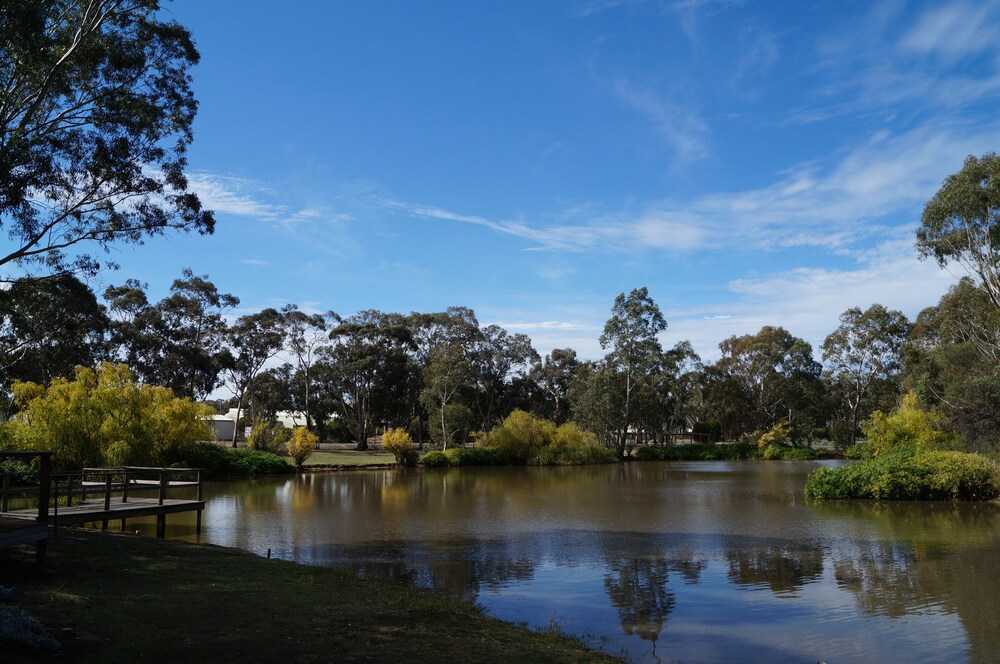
31,527
116,494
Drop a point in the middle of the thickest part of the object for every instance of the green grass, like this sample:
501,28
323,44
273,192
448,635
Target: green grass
127,599
350,458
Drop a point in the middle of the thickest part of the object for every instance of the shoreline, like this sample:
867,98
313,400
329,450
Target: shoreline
113,597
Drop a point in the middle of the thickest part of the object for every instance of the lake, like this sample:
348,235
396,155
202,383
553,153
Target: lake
658,561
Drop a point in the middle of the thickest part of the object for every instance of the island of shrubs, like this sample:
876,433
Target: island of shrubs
907,457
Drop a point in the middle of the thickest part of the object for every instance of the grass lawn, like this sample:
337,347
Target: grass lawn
130,599
350,458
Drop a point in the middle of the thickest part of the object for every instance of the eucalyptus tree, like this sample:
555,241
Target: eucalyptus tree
952,363
305,334
679,385
177,342
594,394
96,112
368,369
961,223
445,375
865,348
48,327
554,374
250,342
456,327
497,360
773,370
635,352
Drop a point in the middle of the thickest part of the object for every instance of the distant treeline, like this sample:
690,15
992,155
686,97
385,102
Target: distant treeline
444,376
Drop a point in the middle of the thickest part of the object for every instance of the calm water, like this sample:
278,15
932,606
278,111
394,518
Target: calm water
694,561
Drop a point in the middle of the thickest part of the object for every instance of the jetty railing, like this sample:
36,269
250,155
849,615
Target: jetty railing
100,494
25,530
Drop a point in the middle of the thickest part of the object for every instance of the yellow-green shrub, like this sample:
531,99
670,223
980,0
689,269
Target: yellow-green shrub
301,444
907,426
104,417
399,442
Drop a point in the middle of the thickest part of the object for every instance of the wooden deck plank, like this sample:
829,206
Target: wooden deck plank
94,511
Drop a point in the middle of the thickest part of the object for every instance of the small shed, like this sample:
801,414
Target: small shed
222,426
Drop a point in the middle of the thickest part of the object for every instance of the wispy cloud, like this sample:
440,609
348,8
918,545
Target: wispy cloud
242,197
954,30
808,301
894,61
236,196
856,198
681,126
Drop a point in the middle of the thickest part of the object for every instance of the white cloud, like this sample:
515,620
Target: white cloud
808,301
954,30
232,195
681,126
859,197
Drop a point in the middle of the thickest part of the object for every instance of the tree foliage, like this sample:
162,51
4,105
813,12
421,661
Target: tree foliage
772,373
368,370
961,222
301,444
398,442
48,327
631,335
95,119
866,347
909,426
104,417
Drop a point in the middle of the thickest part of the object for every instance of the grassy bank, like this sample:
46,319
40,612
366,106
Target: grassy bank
126,599
349,458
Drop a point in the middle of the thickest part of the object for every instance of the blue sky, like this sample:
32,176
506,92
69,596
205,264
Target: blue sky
751,163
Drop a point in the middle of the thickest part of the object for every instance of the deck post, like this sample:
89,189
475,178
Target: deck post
6,489
163,484
197,519
107,500
44,477
124,491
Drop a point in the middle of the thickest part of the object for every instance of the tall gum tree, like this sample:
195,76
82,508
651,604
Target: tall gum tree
96,111
865,347
961,223
631,334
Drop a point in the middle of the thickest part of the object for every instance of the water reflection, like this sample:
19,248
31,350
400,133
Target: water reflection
685,561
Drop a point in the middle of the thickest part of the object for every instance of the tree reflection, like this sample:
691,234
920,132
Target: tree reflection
637,587
778,566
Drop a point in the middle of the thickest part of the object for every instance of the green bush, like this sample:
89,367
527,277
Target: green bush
104,417
268,436
700,452
907,426
907,474
797,454
553,455
21,473
219,462
434,459
474,456
862,450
